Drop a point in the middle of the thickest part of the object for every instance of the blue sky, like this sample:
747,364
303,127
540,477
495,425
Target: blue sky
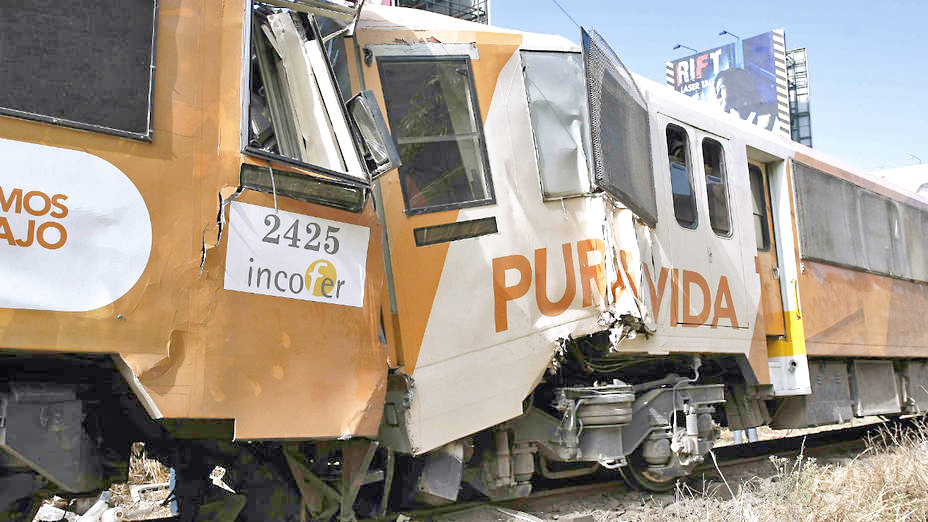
868,61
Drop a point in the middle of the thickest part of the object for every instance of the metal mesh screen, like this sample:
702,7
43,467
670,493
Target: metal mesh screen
844,224
915,230
875,223
828,218
620,135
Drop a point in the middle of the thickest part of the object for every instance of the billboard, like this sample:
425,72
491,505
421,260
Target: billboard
745,78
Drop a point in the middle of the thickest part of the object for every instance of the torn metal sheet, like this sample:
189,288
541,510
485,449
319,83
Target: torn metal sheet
343,10
210,240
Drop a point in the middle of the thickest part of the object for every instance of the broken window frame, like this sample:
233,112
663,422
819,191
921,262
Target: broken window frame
380,153
309,8
476,119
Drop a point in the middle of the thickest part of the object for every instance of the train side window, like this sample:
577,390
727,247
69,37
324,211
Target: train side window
433,113
88,65
559,113
877,228
713,156
681,182
761,230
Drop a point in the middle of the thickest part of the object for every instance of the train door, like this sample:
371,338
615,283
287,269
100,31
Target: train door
684,235
767,265
723,233
700,237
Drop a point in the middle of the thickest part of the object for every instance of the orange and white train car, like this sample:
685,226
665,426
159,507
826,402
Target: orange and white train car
573,268
583,262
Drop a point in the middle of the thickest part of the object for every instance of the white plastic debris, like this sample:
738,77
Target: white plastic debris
50,513
216,477
136,490
116,514
96,511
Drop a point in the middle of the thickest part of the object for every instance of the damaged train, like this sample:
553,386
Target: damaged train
403,258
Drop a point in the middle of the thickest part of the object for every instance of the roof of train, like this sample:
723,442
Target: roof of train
385,18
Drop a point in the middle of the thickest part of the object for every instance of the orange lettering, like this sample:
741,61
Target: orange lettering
40,235
29,235
547,307
62,208
502,294
674,296
5,232
15,197
724,311
625,258
690,277
657,293
592,272
31,196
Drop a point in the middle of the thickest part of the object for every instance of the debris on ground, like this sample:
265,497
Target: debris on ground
144,495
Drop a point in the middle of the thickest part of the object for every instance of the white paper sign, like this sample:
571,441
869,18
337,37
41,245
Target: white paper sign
284,254
75,234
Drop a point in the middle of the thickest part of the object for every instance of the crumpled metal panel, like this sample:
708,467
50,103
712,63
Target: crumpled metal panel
620,133
557,105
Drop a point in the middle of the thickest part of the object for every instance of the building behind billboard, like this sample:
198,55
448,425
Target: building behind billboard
797,75
746,78
472,10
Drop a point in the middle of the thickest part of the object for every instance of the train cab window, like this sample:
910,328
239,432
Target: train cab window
433,113
759,203
559,113
681,183
713,156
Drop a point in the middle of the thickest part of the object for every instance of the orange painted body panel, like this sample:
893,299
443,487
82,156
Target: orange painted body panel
849,312
282,368
854,313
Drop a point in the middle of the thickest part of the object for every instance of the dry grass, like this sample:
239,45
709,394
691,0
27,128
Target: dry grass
145,470
887,481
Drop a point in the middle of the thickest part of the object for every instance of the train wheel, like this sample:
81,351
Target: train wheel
637,476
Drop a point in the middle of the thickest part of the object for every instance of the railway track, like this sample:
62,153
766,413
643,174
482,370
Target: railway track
820,444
